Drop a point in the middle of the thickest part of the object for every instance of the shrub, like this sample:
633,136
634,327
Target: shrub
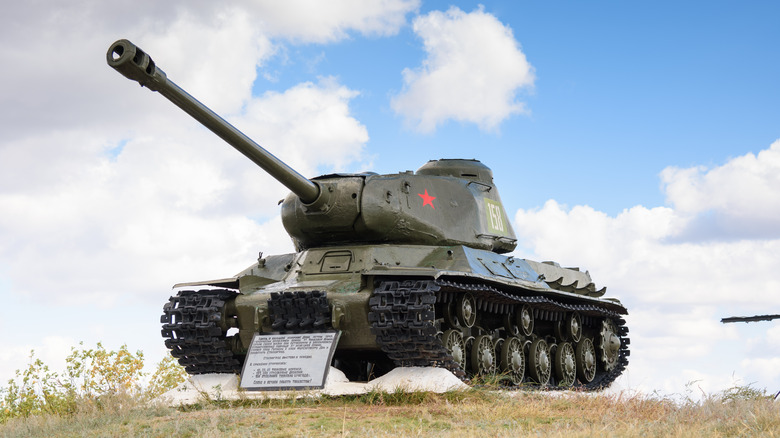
93,373
168,375
92,376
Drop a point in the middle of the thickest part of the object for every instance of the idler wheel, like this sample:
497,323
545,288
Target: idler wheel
525,320
513,359
539,362
585,355
483,356
453,342
466,309
565,365
609,344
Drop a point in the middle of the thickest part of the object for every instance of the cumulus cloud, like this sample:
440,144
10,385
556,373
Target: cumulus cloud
473,72
55,52
110,194
678,288
215,58
130,175
321,22
310,124
175,195
52,350
737,200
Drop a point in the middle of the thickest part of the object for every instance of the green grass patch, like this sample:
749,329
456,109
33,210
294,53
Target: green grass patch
101,394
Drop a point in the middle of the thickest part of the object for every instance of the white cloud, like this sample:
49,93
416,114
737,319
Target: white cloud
637,248
473,72
58,79
215,58
317,21
767,368
741,198
310,124
110,194
107,178
773,336
168,201
51,350
677,288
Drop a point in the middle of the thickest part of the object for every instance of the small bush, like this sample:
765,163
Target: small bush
93,378
747,392
36,390
168,375
93,373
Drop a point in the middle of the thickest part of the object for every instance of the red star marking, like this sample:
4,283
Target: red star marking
427,199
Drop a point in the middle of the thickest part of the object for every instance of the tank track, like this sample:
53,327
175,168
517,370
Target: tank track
192,333
299,311
402,317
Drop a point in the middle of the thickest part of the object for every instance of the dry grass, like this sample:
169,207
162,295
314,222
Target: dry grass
476,412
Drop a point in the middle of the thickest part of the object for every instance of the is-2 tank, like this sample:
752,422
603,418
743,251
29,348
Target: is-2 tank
410,267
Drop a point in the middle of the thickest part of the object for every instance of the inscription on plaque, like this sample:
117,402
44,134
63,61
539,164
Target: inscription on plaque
288,361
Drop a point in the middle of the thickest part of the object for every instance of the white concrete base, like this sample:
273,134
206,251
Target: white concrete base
225,386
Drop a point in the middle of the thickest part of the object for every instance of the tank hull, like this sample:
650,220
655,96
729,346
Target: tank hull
471,311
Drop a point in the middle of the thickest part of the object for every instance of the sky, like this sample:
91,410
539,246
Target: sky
637,140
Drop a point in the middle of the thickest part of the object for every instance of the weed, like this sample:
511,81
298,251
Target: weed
95,379
86,402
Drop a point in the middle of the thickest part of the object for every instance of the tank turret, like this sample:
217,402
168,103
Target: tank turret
408,267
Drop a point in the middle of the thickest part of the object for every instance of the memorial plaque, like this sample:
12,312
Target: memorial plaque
288,361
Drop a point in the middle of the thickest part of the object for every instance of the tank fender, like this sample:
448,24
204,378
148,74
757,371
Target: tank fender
267,270
566,279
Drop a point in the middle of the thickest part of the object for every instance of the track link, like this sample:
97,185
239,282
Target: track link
191,330
402,318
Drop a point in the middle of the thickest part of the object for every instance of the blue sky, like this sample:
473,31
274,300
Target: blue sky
638,140
644,86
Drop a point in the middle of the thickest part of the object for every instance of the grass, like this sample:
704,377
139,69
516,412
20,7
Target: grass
474,412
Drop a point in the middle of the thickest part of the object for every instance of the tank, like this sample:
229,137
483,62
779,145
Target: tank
413,268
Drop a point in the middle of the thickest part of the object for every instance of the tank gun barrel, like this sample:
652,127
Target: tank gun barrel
133,63
749,318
